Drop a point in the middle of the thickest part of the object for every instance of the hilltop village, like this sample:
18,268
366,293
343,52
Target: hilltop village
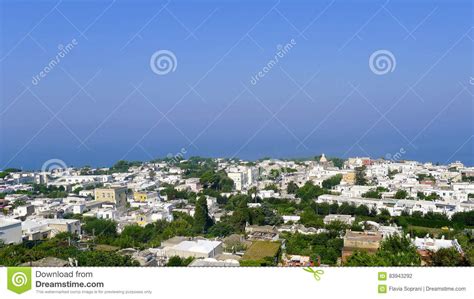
219,212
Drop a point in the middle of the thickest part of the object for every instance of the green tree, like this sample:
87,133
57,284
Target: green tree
18,203
252,192
346,208
392,173
176,261
221,229
309,191
362,210
273,187
422,177
332,181
399,251
194,167
463,219
362,259
7,171
323,247
401,194
216,181
99,227
432,196
338,162
123,166
240,216
292,188
394,251
202,220
274,174
373,211
336,227
447,257
309,218
372,194
104,259
209,179
360,176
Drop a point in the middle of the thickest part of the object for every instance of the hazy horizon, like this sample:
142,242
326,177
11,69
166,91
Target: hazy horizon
104,100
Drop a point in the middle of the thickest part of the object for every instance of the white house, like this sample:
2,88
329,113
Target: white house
346,219
10,231
434,245
292,218
238,178
196,248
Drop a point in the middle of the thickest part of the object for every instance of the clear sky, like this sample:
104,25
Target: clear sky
101,101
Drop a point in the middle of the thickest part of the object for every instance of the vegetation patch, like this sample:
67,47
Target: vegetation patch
261,253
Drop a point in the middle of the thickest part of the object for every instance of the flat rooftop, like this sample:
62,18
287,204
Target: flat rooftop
201,246
363,236
4,222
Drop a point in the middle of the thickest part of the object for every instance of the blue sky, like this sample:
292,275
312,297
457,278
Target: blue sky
102,102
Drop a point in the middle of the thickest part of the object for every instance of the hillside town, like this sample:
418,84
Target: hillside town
319,211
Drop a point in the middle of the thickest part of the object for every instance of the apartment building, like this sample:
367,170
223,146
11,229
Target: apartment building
116,195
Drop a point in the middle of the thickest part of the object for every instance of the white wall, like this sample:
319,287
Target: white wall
10,232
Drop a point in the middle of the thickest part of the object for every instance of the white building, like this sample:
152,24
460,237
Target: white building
252,175
193,184
10,231
40,229
103,213
23,211
197,248
87,193
243,176
268,194
238,178
72,226
78,208
434,245
292,218
34,230
346,219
